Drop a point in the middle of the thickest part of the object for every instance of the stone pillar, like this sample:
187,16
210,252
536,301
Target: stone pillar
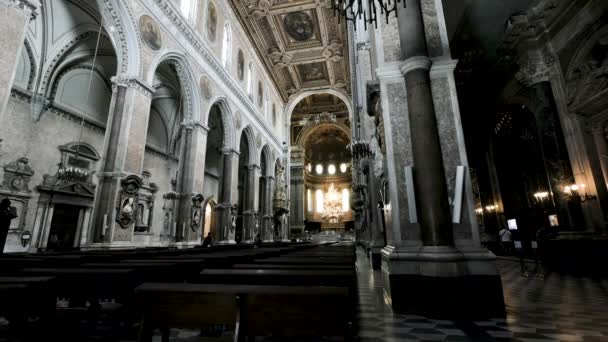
228,195
599,137
434,262
124,148
267,234
15,15
297,198
251,193
191,175
375,235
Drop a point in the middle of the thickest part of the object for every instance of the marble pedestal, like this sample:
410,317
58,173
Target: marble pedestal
442,282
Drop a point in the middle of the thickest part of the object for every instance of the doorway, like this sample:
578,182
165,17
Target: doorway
62,235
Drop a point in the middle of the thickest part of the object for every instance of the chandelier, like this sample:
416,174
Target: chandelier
353,10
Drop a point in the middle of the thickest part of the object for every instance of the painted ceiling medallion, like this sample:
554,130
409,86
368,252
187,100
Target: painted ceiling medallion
150,32
299,26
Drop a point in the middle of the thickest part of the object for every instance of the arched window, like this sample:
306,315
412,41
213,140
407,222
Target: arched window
309,201
319,200
345,200
249,80
226,46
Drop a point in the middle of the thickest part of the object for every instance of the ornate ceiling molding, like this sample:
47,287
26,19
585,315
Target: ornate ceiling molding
301,43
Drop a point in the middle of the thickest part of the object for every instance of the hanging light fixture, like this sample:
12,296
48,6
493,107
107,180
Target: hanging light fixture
352,10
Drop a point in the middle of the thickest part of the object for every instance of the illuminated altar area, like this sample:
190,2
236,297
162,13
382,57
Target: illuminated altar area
328,182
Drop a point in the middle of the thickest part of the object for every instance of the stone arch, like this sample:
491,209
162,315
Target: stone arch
67,42
296,98
33,63
227,121
250,136
306,132
124,34
189,91
266,157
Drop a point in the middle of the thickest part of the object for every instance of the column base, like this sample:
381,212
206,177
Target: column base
443,282
225,242
375,257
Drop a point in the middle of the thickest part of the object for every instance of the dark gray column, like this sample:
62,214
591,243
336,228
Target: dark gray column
249,203
184,186
267,218
429,175
226,231
123,153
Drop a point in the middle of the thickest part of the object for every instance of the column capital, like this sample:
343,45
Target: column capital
126,81
415,63
229,150
30,6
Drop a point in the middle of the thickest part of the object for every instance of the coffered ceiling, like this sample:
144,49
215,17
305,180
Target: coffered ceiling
300,41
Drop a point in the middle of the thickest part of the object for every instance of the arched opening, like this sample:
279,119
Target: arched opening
213,185
320,132
532,183
245,190
265,195
73,79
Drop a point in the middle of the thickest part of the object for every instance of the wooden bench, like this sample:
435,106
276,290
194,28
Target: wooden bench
292,267
277,277
307,261
254,310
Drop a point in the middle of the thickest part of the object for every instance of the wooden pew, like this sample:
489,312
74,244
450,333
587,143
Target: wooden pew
342,278
307,261
81,284
292,267
254,310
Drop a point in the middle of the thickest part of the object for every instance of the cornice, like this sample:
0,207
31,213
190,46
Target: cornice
122,80
196,42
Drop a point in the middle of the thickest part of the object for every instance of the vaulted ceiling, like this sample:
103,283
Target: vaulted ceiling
300,41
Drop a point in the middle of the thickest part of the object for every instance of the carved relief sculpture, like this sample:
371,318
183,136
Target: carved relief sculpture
17,175
145,206
196,213
127,205
259,8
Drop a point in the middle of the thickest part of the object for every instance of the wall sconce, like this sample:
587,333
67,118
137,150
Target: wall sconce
26,237
491,208
578,190
479,211
541,196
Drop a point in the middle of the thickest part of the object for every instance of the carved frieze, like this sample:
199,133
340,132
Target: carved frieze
536,66
17,175
258,8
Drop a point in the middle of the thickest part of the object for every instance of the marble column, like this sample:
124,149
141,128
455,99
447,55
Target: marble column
267,234
251,193
124,148
434,262
228,195
184,185
297,198
374,220
15,15
599,137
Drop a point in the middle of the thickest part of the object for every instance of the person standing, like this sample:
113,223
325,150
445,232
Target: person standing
505,241
6,215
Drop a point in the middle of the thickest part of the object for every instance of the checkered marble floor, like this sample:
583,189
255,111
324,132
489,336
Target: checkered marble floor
554,308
